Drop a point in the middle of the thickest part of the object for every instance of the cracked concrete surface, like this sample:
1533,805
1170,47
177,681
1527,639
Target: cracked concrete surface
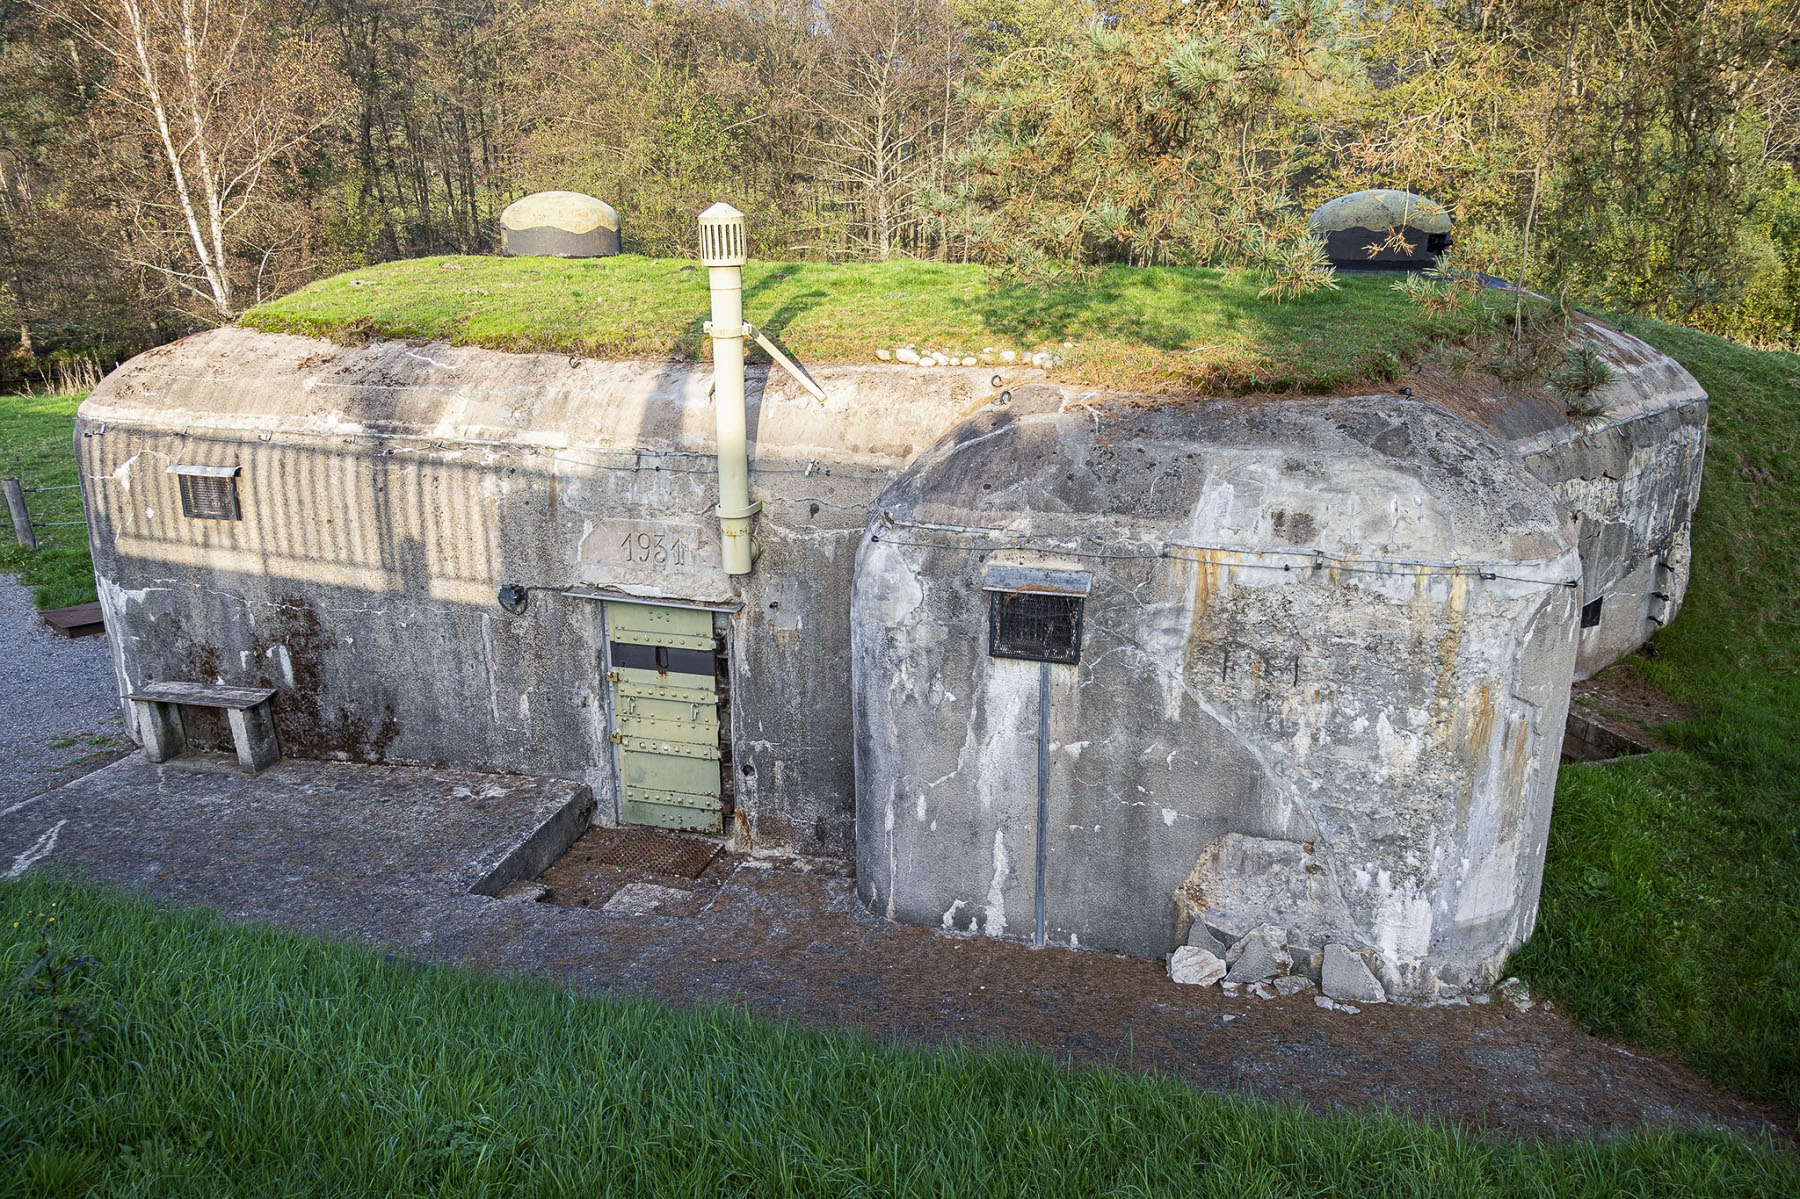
386,856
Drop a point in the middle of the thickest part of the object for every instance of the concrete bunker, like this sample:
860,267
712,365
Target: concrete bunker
1296,659
1321,680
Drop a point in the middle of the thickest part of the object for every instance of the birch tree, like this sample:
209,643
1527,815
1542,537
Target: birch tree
222,96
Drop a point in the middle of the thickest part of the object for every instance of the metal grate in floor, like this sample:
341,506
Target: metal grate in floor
646,849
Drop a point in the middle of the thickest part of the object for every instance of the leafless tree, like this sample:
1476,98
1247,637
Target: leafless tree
222,95
882,106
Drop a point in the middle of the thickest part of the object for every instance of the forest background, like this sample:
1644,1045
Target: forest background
168,164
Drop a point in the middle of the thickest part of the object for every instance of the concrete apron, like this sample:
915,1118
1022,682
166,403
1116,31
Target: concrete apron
405,859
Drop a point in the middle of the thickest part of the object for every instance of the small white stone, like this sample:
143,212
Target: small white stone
1009,356
1332,1005
1230,989
1192,965
1515,992
968,360
1068,345
1263,991
885,355
908,355
1292,984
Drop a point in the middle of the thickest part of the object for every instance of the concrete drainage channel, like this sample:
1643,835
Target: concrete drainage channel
619,871
548,842
1585,739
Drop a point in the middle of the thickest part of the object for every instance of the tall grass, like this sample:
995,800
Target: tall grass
180,1054
1672,886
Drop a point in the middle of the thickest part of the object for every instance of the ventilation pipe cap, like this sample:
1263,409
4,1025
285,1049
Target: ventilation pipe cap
722,237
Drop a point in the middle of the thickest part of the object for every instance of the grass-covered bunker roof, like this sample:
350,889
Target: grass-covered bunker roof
1152,328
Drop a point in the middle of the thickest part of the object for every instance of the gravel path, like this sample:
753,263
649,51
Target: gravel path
59,704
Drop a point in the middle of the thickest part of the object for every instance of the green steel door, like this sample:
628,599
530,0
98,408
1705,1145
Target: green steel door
666,715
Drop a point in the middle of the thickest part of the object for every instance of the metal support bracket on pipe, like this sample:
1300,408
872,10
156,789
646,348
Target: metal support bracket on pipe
800,374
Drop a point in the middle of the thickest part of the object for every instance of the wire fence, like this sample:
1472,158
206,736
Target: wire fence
18,510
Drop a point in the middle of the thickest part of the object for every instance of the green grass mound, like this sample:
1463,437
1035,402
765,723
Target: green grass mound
1672,885
1148,327
170,1052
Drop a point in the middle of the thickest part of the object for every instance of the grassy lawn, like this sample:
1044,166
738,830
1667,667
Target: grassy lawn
1146,327
1672,889
36,439
182,1054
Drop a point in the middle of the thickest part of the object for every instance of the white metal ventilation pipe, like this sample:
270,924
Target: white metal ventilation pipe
723,253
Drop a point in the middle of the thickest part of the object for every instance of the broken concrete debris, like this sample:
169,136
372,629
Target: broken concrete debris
1347,975
1260,955
1201,937
1265,965
1193,965
641,899
1515,992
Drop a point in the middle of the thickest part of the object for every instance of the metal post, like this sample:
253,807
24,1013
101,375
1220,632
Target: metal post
1043,811
21,519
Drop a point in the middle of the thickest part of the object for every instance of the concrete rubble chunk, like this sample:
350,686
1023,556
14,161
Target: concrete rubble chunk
1201,937
641,899
1332,1005
1347,975
525,889
1260,955
1240,881
1516,993
1193,965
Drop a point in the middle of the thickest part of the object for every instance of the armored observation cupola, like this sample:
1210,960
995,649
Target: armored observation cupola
1381,229
559,225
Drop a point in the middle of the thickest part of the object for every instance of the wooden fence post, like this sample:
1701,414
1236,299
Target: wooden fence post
21,519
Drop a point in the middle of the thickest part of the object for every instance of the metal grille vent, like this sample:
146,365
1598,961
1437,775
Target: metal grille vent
211,495
1590,613
1034,626
722,240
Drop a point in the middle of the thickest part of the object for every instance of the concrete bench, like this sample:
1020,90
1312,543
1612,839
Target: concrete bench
249,710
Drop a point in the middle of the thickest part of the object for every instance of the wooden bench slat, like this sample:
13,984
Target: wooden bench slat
78,621
200,696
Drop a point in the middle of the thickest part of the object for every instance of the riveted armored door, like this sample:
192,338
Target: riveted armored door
665,704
